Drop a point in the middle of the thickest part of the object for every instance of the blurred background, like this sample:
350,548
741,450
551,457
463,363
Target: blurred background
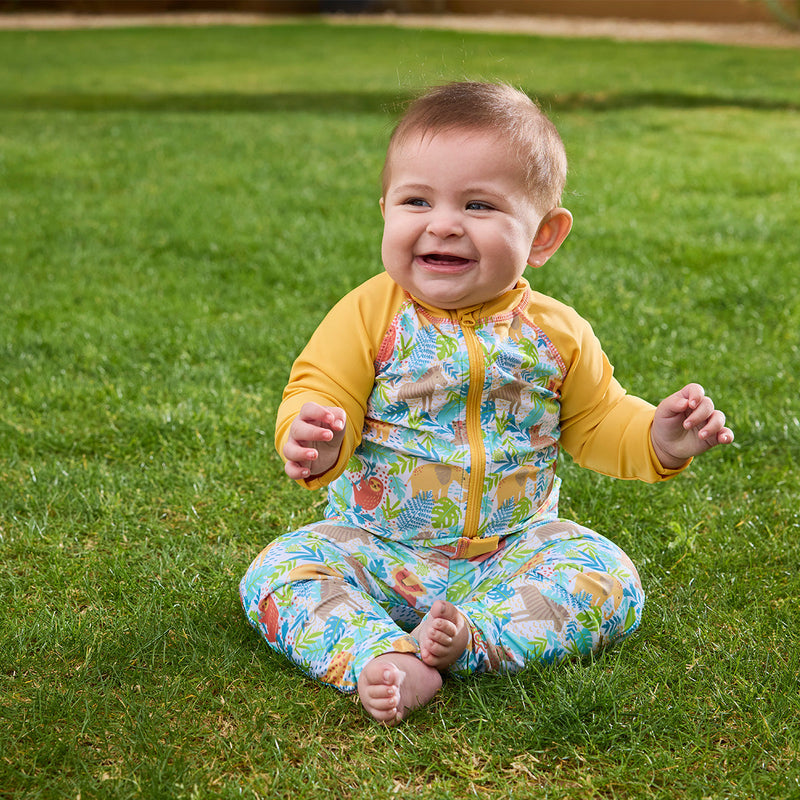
732,11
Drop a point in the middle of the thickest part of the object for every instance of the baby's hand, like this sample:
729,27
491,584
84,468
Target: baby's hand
685,425
315,438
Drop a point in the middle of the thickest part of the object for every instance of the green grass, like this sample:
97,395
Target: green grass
178,209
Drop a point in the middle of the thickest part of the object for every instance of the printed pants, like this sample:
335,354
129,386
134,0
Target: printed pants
332,598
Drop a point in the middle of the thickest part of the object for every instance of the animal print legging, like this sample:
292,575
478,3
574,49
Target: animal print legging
332,598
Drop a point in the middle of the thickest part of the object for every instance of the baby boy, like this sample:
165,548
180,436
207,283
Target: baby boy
433,402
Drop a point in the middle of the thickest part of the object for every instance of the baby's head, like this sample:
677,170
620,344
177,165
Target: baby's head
499,110
471,189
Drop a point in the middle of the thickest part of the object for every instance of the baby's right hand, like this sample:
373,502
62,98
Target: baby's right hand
315,438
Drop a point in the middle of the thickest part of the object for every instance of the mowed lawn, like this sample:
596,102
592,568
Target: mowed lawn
178,209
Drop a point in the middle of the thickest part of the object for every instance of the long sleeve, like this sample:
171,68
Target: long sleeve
337,366
602,427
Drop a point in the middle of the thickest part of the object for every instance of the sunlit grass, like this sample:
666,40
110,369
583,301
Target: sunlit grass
178,209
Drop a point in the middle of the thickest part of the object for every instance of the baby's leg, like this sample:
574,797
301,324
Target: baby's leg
443,635
558,591
394,684
311,599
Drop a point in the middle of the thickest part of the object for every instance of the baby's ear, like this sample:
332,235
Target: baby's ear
382,204
553,229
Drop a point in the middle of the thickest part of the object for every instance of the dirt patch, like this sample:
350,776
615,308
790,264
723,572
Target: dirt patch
743,34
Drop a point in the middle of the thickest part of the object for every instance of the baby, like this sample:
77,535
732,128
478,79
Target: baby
433,401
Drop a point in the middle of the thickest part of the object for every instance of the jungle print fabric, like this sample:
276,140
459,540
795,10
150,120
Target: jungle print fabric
332,598
462,410
450,494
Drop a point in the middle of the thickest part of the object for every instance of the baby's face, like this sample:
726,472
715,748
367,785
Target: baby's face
459,224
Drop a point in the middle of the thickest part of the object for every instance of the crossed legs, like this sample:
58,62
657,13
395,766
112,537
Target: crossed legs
557,592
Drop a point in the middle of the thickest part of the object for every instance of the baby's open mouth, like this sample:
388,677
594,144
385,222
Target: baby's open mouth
443,259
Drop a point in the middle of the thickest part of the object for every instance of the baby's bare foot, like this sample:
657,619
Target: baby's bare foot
394,684
443,635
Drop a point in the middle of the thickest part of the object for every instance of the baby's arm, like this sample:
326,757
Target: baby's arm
686,424
315,438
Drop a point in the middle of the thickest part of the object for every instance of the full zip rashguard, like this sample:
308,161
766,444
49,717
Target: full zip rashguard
455,418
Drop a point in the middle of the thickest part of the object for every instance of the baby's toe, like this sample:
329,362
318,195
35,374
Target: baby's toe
384,704
444,628
380,690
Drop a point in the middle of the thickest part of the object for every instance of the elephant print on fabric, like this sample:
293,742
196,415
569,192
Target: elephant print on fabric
466,412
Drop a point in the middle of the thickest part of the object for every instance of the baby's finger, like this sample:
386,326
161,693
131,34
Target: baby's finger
309,432
299,453
694,392
296,471
339,418
725,436
325,416
700,413
713,425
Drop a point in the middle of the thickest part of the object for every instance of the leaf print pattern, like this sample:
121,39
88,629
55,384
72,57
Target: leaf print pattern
556,591
418,416
451,494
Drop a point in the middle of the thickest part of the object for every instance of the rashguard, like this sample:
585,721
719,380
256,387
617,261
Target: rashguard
455,418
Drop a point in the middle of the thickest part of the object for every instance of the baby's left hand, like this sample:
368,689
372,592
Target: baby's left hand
686,424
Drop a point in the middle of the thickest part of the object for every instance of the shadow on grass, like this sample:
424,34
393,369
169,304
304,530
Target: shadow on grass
354,102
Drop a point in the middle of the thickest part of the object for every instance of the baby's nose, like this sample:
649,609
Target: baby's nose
444,223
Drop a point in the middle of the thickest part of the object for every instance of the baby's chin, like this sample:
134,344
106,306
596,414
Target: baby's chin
448,301
454,297
446,283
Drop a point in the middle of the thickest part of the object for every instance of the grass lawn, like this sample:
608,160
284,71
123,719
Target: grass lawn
178,209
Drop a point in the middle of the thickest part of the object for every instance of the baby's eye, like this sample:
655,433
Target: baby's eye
416,201
477,205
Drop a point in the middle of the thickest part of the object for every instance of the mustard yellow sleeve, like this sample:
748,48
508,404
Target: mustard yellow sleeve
602,427
337,366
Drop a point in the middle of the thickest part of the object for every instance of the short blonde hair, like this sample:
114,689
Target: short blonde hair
494,108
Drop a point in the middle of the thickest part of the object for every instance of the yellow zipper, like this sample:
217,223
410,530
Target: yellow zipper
474,434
